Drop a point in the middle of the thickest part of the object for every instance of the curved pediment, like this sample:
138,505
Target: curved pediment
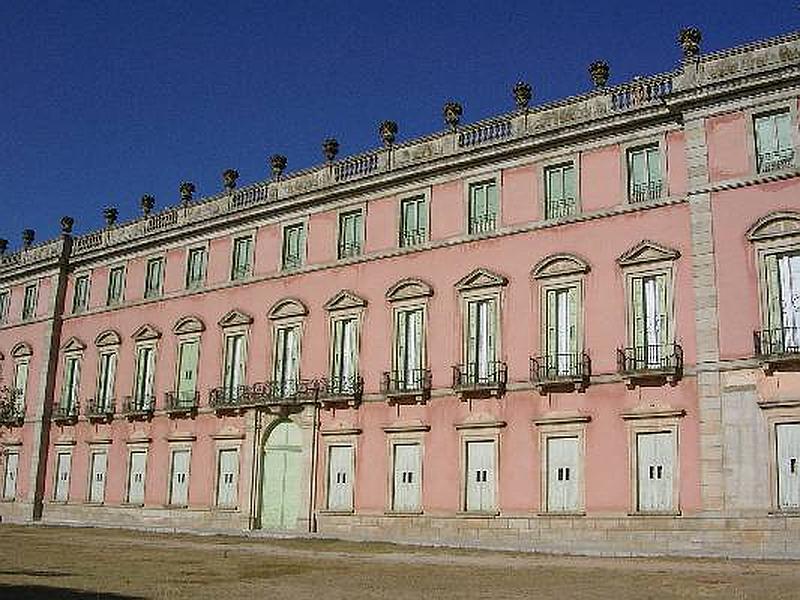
21,350
647,251
109,337
287,308
73,345
480,278
557,265
146,332
409,288
235,318
345,300
188,324
774,225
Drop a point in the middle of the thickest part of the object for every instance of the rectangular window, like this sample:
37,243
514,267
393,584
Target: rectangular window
644,174
480,476
340,478
154,278
413,221
63,466
188,354
561,337
179,482
21,382
228,478
774,147
97,483
137,467
116,285
407,490
408,349
654,455
195,268
482,206
787,437
29,302
481,342
5,302
233,377
562,474
10,476
651,327
345,354
80,296
242,262
107,370
72,374
783,304
559,184
287,359
294,245
350,234
145,371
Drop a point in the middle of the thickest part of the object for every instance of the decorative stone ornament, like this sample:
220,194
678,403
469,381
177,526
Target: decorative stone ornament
452,114
147,203
3,246
28,235
523,92
277,163
187,190
229,177
110,215
66,225
330,148
388,132
599,72
689,39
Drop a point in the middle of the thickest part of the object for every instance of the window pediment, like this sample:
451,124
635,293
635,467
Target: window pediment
345,300
108,337
287,308
73,345
775,225
146,332
407,289
188,324
21,350
235,318
480,278
647,251
557,265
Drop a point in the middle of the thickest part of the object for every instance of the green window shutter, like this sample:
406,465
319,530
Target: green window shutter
492,322
187,373
491,199
21,380
653,165
359,231
572,312
280,354
663,310
569,182
637,311
338,342
783,127
637,167
401,342
551,320
416,338
472,334
292,367
555,190
350,349
766,139
239,360
422,216
774,316
141,373
228,375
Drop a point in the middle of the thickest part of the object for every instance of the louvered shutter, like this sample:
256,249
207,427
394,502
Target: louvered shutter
637,169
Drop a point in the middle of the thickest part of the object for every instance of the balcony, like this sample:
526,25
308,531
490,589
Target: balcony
407,387
138,407
482,223
66,413
775,161
342,390
12,407
230,398
560,207
413,237
99,410
561,372
292,261
180,404
778,349
650,365
476,380
291,392
642,192
349,249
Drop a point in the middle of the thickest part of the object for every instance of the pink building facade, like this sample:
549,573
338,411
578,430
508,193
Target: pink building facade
574,327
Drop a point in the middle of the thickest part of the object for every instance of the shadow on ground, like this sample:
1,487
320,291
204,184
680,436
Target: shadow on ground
43,592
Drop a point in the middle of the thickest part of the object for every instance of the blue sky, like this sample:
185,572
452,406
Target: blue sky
103,102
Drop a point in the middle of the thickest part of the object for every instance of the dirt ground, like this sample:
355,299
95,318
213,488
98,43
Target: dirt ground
50,563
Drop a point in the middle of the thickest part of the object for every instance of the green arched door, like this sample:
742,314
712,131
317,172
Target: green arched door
280,479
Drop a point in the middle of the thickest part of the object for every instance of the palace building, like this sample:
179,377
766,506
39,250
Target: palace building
572,327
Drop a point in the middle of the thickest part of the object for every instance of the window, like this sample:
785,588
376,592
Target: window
480,476
787,437
143,397
413,221
29,302
116,285
21,382
72,373
563,475
242,262
644,174
480,340
188,354
340,478
655,452
97,481
774,147
80,296
407,489
107,368
482,206
408,348
287,359
137,466
228,478
63,466
782,333
350,234
651,327
293,246
10,476
344,366
195,268
560,191
179,481
5,302
233,376
560,335
154,278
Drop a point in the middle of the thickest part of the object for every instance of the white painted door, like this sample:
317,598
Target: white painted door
281,484
654,452
788,441
63,464
340,478
480,476
97,485
407,478
179,485
228,478
10,477
136,477
563,474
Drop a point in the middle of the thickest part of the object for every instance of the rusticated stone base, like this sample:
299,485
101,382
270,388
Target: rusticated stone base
16,512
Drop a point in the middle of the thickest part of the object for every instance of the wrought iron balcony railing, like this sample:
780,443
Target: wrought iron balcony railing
413,384
480,378
181,403
482,223
100,409
774,161
642,192
66,412
349,249
292,261
557,372
413,237
139,407
778,348
555,208
341,390
291,391
650,364
230,397
12,407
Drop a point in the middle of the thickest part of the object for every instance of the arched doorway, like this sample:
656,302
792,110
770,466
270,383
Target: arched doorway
281,471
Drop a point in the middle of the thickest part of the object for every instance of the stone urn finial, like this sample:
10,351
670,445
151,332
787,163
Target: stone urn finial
599,72
229,177
147,203
452,114
689,38
523,92
66,225
277,163
388,132
330,148
187,190
110,214
3,246
28,235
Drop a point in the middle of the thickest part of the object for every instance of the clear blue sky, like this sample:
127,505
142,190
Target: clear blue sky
102,102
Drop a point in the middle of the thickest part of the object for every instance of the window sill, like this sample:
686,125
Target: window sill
403,513
7,500
337,512
785,512
132,505
176,506
225,509
654,513
557,514
477,514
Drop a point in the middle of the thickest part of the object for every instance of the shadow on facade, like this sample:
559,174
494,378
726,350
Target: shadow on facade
43,592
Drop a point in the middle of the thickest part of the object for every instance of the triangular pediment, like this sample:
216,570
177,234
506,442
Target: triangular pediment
109,337
73,345
557,265
407,289
647,251
345,300
21,350
146,332
775,225
235,318
287,308
481,278
188,324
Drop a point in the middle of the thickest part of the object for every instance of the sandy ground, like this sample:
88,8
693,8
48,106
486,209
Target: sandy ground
51,563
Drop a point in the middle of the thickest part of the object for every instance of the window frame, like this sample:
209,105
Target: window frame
35,308
469,183
175,448
94,450
658,140
138,347
228,333
341,214
404,434
5,307
187,284
565,425
302,224
118,267
773,107
251,264
665,268
62,450
227,446
10,450
147,293
544,168
86,276
134,448
345,441
423,196
479,432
